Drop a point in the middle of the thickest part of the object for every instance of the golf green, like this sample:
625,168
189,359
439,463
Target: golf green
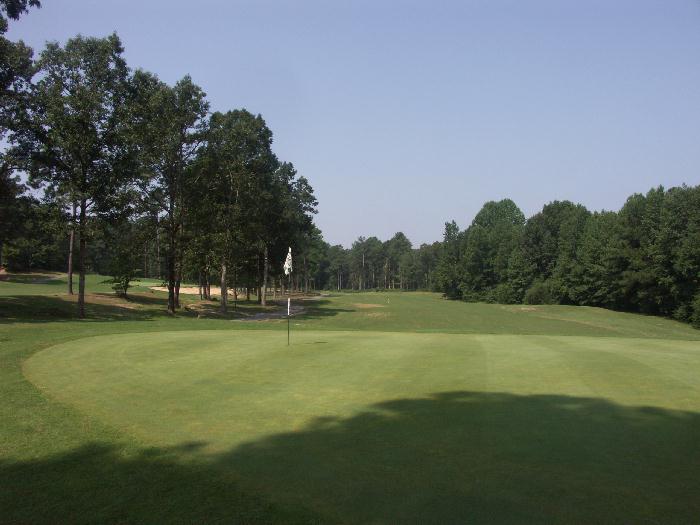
369,426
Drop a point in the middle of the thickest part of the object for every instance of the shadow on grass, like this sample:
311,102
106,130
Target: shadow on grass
451,457
35,278
99,483
99,307
320,309
138,306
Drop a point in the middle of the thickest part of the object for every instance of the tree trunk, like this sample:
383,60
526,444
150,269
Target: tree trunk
264,283
362,277
201,286
81,259
71,243
171,258
224,290
159,262
247,293
1,247
177,291
306,277
235,290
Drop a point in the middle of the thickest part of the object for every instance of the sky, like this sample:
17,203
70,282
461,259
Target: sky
404,115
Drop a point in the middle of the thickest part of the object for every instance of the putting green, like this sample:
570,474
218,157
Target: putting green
378,426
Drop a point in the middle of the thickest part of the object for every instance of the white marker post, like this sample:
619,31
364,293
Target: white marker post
288,272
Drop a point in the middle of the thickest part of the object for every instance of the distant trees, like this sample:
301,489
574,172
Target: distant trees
644,258
372,264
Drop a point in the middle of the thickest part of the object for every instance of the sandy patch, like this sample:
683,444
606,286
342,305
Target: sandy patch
189,290
365,306
521,308
103,299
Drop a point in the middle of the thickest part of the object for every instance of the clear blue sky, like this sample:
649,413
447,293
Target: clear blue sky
404,115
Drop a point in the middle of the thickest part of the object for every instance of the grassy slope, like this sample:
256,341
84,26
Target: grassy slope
370,426
426,312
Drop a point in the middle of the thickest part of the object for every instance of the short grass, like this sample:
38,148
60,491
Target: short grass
386,408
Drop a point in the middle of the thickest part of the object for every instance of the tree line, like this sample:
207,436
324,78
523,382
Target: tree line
644,258
139,171
140,178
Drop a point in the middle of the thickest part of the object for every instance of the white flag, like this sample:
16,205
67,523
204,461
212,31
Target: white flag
288,263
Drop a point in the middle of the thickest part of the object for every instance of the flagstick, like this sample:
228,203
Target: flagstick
288,272
289,303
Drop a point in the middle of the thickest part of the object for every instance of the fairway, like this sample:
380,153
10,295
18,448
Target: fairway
382,426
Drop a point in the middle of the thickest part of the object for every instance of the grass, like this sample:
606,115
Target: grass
386,408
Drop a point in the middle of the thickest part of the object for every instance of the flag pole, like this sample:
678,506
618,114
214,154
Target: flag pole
288,273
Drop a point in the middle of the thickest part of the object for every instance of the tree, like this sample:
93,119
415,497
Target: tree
599,265
239,171
170,127
16,71
447,272
395,249
16,67
488,245
39,243
338,267
124,259
75,141
10,206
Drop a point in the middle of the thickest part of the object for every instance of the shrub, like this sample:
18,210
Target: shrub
539,293
504,293
695,316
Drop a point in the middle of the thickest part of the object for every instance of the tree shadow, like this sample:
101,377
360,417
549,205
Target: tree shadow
35,278
320,309
136,306
454,457
47,308
100,483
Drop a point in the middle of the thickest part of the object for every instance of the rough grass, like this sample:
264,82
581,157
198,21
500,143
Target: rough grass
436,412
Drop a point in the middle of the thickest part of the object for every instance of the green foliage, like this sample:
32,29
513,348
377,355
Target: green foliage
539,293
487,247
124,260
695,315
15,8
447,278
39,236
644,258
121,281
505,293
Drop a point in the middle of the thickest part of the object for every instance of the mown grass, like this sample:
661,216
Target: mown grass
386,408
